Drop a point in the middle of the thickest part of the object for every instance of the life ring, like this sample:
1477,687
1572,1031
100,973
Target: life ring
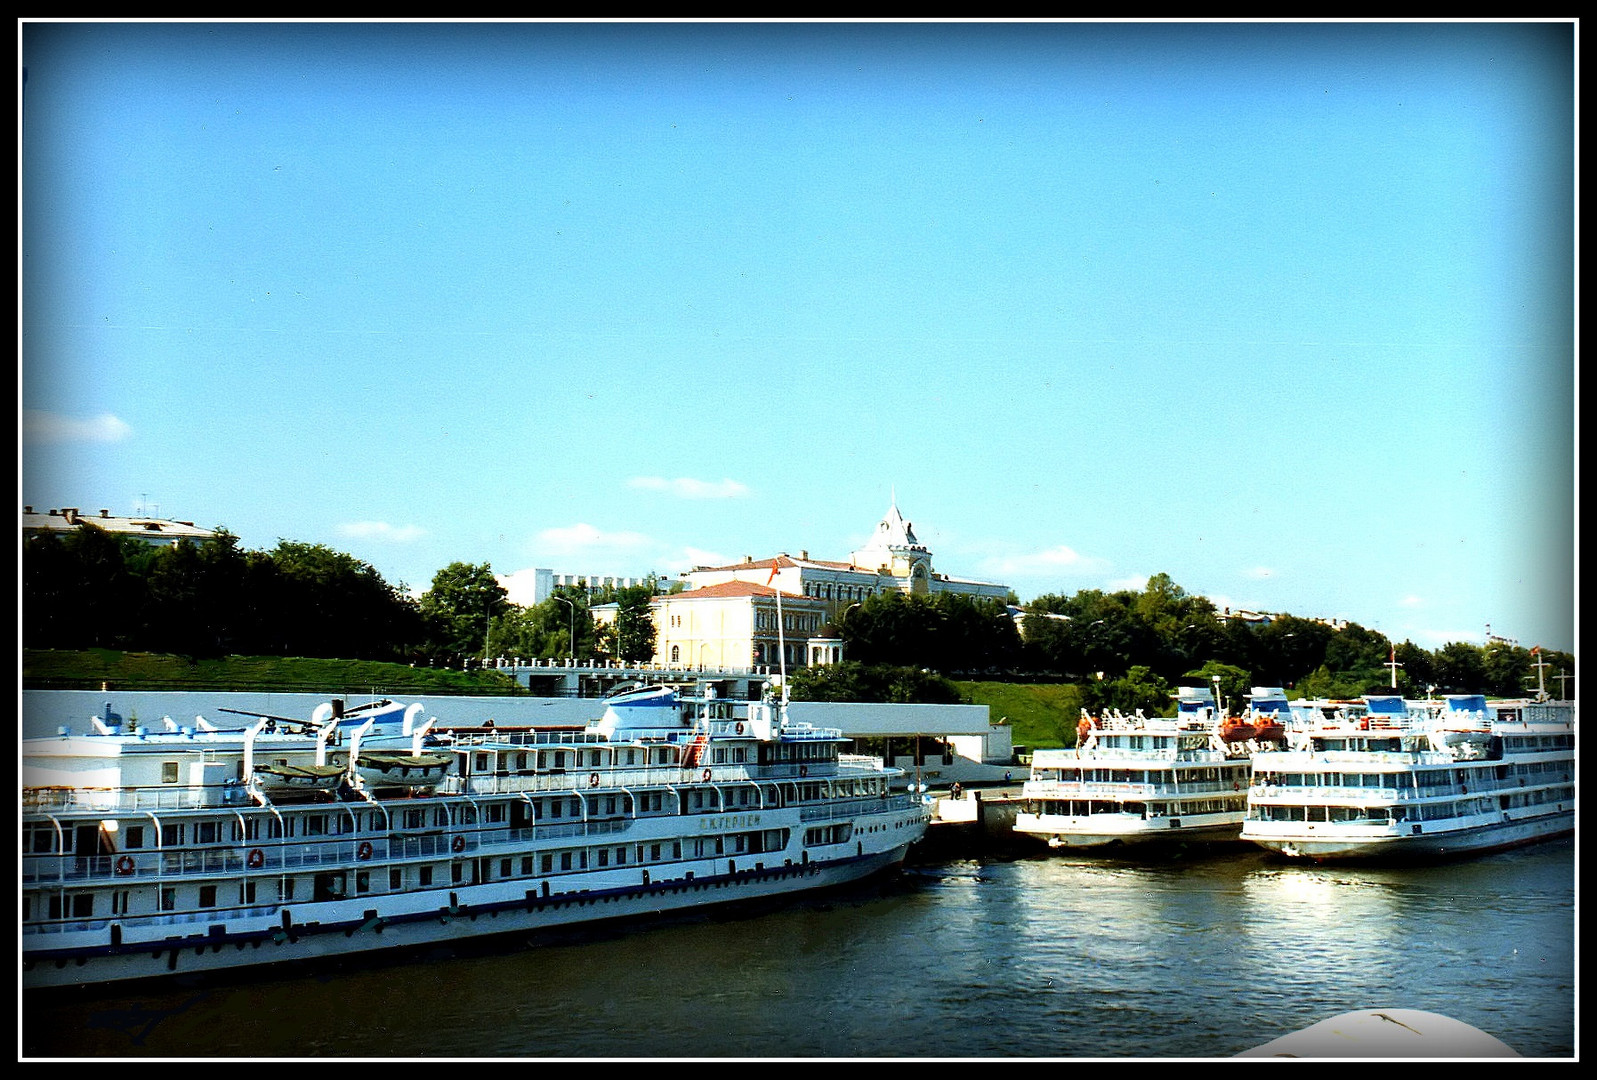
706,777
458,844
255,860
593,779
364,852
739,729
124,865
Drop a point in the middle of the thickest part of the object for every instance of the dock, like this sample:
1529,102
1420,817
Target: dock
972,822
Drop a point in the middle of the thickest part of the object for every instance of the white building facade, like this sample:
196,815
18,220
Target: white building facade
728,615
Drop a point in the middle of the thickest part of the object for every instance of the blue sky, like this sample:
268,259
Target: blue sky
1284,311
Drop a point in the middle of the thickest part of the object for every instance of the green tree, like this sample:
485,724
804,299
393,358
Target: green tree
78,591
634,624
1236,686
558,627
1139,688
327,603
1460,668
463,599
854,681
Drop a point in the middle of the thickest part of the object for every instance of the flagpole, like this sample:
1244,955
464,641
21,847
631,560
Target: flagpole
781,639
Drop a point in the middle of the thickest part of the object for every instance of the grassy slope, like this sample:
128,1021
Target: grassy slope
1041,714
90,669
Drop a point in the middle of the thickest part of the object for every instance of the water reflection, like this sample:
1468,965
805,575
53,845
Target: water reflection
1069,956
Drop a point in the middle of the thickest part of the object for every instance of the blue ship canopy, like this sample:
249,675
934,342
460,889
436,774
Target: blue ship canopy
1387,705
1466,702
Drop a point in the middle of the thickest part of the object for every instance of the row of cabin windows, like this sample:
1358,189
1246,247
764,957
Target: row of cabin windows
506,763
40,839
1144,776
81,905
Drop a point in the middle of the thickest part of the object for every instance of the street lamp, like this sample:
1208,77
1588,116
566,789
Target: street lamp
572,605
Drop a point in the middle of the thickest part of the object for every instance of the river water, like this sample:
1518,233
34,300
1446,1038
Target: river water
1051,956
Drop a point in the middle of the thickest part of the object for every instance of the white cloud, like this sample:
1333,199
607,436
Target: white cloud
47,427
584,539
684,487
1131,584
1411,601
381,531
1051,560
692,556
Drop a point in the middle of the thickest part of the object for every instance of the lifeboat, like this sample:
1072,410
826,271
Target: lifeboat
1236,730
394,768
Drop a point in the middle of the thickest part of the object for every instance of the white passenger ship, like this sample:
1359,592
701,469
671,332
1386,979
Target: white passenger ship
1137,779
152,852
1385,778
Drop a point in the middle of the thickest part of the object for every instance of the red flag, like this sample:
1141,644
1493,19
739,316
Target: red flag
775,566
1536,651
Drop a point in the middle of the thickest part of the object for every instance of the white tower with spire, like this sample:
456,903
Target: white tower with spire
893,547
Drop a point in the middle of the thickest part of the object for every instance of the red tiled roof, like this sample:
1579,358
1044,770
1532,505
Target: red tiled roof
729,589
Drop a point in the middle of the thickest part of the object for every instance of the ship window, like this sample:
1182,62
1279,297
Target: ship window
207,896
396,880
205,832
169,899
119,902
565,860
168,772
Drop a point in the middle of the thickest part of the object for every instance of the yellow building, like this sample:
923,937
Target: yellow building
727,616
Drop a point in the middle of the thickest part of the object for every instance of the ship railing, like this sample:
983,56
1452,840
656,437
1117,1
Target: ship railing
120,800
1360,793
1111,789
853,807
605,780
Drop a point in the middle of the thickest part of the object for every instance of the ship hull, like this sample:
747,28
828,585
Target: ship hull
323,931
1109,830
1437,845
